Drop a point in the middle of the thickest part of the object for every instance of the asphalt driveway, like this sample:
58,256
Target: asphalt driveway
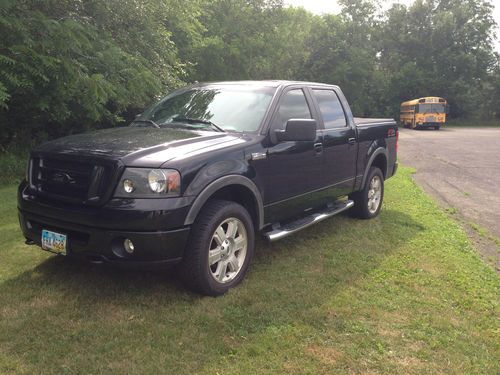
461,168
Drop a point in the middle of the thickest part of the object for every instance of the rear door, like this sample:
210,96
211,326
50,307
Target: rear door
340,146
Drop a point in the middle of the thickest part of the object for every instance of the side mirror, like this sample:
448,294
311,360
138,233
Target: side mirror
298,130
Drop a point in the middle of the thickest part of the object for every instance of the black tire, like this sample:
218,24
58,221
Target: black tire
195,270
361,198
436,127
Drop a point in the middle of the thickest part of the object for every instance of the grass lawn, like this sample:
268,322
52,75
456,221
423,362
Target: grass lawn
403,293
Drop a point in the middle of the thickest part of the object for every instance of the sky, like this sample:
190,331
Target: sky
331,6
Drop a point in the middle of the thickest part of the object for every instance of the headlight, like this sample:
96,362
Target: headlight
157,180
149,183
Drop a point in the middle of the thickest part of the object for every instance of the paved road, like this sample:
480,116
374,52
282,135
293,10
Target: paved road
460,167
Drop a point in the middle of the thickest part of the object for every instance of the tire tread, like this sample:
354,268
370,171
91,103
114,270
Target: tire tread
360,198
192,268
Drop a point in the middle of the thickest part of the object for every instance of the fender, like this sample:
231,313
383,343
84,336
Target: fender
208,191
376,153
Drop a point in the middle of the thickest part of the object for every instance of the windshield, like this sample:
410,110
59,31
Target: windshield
431,108
225,107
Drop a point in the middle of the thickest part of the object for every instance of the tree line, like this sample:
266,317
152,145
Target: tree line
67,66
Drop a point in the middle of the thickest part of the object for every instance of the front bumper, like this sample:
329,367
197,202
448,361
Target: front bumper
98,233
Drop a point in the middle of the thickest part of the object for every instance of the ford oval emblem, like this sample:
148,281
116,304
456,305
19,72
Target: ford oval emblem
63,178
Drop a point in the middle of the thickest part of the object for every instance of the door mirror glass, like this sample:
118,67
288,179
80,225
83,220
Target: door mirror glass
298,130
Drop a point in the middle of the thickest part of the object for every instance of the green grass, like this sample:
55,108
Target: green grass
490,123
403,293
485,233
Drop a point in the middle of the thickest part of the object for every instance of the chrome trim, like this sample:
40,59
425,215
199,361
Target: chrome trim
278,234
259,155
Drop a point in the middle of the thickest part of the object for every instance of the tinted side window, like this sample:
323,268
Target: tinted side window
293,105
330,108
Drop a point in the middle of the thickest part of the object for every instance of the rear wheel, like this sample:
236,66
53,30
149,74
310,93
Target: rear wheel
436,127
220,248
368,202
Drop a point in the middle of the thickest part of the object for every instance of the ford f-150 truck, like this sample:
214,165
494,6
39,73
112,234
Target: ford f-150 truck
196,176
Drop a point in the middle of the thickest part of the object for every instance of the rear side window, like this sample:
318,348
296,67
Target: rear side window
330,108
293,105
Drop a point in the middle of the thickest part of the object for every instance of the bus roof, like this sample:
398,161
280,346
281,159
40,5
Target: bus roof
426,99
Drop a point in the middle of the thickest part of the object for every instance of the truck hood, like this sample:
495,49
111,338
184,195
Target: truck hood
140,144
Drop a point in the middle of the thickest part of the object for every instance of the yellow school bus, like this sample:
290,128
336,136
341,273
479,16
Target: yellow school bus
424,112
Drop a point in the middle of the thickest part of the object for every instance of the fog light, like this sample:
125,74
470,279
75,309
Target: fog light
129,246
128,186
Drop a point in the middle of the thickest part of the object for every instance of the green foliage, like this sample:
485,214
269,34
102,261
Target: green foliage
13,165
77,69
441,48
70,65
341,53
243,40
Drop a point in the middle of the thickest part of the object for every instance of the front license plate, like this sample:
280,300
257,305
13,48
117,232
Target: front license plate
55,242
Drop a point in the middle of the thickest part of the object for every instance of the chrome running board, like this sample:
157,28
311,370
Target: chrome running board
304,222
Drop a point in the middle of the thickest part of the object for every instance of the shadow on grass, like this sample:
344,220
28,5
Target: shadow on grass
74,310
354,247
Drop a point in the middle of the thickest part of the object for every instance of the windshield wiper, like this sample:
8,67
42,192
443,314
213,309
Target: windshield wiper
198,121
148,122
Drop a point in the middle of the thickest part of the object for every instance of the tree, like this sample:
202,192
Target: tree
71,65
342,52
441,48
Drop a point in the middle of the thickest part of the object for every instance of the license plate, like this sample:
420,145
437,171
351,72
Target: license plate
55,242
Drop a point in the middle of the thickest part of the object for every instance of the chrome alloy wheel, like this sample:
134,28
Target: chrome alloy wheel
374,194
228,250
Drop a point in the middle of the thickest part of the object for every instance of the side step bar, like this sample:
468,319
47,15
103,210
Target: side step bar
293,227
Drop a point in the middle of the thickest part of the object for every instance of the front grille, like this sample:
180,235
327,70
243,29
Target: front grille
69,180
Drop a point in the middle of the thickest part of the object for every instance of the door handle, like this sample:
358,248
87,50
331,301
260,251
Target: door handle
318,148
351,141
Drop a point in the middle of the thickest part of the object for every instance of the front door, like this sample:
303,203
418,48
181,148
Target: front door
292,170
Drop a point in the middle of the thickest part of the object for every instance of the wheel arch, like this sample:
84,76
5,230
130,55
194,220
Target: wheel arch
235,188
377,159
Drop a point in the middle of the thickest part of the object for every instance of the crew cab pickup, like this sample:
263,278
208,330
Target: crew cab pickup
194,178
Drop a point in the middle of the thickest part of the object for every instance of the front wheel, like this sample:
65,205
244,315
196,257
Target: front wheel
368,202
220,248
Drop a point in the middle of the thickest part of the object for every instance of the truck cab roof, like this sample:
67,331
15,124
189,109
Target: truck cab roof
263,83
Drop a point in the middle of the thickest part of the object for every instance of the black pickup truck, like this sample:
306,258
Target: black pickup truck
196,176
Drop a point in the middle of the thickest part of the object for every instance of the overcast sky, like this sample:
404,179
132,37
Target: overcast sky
331,6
